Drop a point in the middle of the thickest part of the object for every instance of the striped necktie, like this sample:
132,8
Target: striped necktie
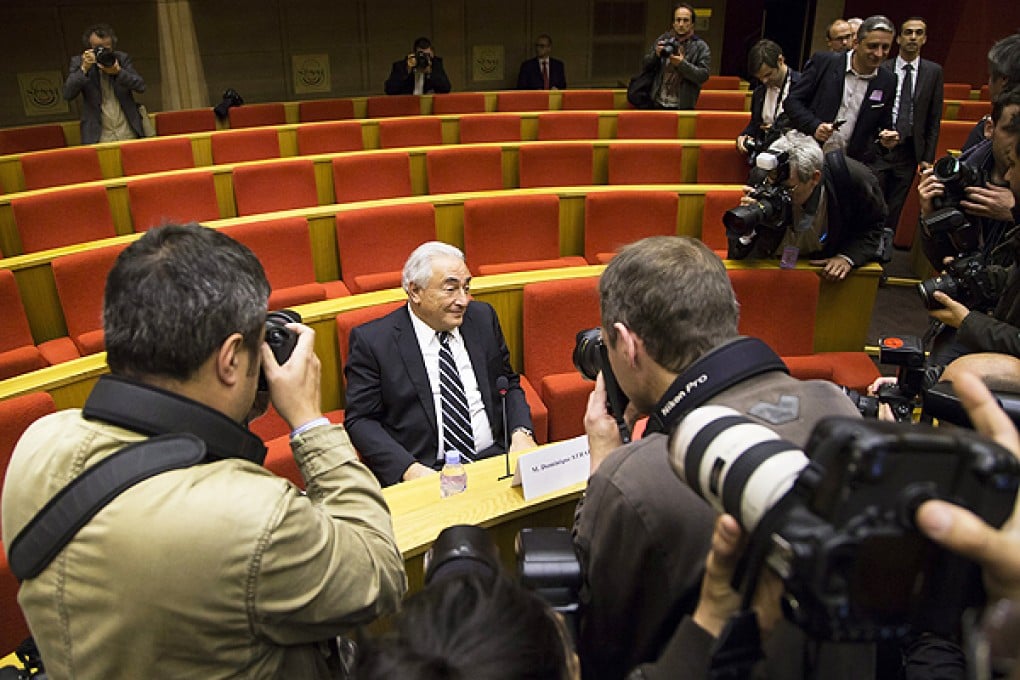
457,432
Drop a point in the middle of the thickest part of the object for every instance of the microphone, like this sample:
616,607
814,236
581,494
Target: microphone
502,386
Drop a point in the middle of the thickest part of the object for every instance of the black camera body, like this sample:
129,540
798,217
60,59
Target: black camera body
913,378
670,46
771,209
966,280
948,232
105,56
591,358
955,176
422,60
763,139
281,340
839,528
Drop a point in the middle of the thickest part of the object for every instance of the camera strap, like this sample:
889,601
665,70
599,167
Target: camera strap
153,411
66,513
715,372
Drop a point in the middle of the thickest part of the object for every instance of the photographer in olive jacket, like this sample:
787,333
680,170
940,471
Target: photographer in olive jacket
217,568
105,78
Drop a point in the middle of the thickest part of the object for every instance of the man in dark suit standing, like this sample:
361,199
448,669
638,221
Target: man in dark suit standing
420,72
765,61
917,113
543,72
406,369
844,100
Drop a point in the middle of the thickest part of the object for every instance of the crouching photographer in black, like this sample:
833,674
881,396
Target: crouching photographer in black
829,208
979,277
851,538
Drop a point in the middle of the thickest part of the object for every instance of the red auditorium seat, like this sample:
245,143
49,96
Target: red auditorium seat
490,127
464,168
973,111
81,279
779,307
71,215
280,185
185,122
16,414
592,100
514,233
61,167
459,102
523,100
31,138
325,109
721,100
952,135
284,248
956,91
366,177
393,105
647,125
554,164
400,132
616,218
237,146
330,137
156,155
645,163
720,124
556,125
721,83
722,164
713,232
255,115
374,243
985,94
552,314
181,198
18,353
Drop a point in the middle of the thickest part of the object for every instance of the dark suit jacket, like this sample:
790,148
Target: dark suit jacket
391,416
927,107
401,81
92,95
816,98
530,76
758,102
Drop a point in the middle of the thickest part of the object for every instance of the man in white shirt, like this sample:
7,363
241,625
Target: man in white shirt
766,62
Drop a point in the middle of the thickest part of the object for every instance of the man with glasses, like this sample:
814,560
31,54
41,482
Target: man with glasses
836,210
682,62
543,72
423,379
839,36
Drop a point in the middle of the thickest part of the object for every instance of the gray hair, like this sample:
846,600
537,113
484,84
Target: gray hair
876,22
418,268
805,154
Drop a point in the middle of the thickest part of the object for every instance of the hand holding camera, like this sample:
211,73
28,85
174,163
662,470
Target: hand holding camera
291,368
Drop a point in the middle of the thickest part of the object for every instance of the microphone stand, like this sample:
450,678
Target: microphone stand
502,384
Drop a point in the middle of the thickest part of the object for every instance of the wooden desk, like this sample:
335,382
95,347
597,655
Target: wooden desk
419,513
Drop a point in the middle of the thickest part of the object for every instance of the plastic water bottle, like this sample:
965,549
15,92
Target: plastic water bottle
453,476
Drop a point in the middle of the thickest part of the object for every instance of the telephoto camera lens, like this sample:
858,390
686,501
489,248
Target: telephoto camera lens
738,466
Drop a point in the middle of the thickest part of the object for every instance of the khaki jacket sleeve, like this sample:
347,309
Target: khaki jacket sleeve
328,558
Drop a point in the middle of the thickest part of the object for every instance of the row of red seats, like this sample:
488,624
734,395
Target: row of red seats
371,254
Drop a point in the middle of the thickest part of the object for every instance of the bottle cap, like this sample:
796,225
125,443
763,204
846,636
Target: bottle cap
452,457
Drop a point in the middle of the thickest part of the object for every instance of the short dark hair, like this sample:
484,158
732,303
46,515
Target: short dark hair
684,5
422,43
876,22
763,52
672,292
914,18
470,627
174,295
1004,59
546,36
1008,97
101,31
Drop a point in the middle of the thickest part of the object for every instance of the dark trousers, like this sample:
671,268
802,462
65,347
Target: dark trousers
895,171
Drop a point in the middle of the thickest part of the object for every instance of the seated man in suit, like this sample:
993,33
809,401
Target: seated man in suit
543,72
406,369
420,72
844,100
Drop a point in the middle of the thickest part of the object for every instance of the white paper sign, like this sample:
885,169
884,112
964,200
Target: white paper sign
553,467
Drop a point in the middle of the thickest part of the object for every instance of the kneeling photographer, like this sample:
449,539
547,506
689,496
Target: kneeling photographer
826,525
828,207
